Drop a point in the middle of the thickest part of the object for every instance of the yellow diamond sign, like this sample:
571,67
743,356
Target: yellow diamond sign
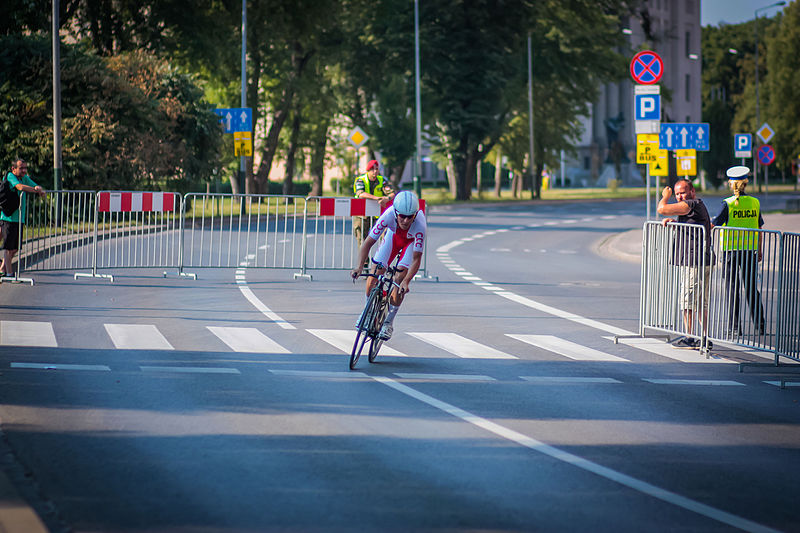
357,137
765,133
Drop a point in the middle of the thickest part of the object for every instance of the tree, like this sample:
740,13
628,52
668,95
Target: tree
781,87
129,122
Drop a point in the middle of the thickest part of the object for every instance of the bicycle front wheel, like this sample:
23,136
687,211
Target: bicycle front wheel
365,326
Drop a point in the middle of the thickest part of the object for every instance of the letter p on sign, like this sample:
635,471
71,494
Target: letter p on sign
648,106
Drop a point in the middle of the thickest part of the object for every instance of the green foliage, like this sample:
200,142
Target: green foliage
128,122
782,107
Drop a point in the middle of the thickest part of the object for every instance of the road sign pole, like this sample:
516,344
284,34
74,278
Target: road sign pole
766,181
647,181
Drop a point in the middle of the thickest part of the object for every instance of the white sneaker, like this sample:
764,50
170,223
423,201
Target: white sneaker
386,332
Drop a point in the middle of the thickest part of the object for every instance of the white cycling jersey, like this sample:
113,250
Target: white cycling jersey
396,242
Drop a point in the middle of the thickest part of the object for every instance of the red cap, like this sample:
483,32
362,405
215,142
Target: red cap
372,164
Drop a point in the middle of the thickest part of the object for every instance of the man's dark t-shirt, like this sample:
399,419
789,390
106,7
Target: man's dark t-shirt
687,243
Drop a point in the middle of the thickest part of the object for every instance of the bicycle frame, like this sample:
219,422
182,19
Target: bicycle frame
373,315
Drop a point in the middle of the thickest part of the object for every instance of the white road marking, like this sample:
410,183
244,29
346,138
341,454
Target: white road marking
25,333
137,337
660,347
318,373
723,382
566,348
444,377
343,339
461,346
247,340
633,483
190,369
785,383
266,311
552,380
60,366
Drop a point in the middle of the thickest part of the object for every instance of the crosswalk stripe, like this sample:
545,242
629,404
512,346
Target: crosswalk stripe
461,346
137,337
566,348
693,382
60,366
444,377
662,348
249,340
551,380
25,333
190,369
343,339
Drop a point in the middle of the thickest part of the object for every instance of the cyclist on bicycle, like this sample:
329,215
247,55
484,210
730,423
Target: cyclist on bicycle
405,227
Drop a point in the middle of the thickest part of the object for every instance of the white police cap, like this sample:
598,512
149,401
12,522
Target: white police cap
738,173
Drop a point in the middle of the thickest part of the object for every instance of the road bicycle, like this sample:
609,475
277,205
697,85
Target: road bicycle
373,315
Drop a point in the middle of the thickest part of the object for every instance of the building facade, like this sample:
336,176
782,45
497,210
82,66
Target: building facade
671,28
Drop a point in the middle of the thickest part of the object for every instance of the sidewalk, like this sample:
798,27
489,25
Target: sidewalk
627,246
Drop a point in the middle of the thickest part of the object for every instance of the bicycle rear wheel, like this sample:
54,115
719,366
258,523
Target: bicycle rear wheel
365,326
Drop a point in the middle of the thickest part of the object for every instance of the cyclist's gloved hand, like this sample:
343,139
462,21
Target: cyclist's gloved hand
355,273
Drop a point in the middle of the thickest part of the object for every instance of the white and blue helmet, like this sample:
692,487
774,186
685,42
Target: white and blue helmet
406,203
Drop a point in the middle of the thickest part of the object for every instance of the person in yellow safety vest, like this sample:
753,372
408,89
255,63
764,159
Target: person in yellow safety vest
741,250
372,186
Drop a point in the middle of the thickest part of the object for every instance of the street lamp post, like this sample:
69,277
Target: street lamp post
532,161
418,104
758,113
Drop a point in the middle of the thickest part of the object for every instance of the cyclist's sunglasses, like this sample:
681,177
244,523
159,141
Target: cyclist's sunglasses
405,217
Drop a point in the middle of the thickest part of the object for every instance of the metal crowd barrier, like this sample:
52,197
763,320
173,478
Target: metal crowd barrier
673,260
751,295
231,231
745,287
788,321
129,229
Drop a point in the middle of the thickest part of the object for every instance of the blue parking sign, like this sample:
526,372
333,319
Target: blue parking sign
647,107
742,145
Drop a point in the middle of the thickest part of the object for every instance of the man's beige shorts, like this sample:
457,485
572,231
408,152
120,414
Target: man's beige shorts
691,285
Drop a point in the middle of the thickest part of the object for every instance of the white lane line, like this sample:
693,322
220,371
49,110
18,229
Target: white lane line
471,278
713,382
25,333
318,373
662,348
190,369
248,340
60,366
566,348
461,346
137,337
343,339
553,380
444,377
564,314
266,311
638,485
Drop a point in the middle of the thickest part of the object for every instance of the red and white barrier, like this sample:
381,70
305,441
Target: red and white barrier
125,202
352,207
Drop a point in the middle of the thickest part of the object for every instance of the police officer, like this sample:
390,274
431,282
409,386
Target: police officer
741,250
372,186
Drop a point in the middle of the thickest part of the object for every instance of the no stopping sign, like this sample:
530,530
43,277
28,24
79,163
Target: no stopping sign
647,67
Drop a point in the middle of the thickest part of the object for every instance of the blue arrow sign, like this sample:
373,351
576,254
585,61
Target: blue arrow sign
684,136
236,119
647,106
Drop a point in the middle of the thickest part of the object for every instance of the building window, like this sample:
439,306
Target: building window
587,163
688,86
689,7
688,43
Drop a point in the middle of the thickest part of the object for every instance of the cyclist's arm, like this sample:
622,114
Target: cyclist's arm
363,253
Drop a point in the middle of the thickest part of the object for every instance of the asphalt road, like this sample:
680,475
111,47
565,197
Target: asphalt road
225,403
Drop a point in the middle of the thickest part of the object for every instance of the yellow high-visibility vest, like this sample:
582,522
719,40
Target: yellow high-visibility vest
365,179
744,215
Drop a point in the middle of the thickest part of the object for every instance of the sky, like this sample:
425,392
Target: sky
712,12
